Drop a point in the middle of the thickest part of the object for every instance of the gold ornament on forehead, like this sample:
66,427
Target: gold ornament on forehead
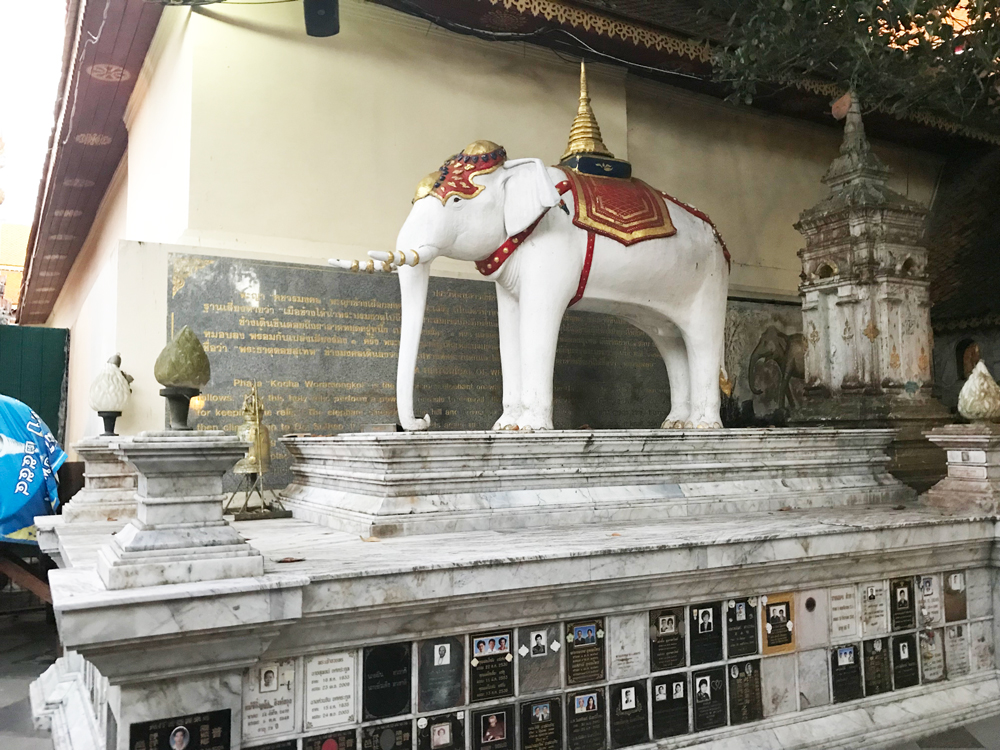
454,178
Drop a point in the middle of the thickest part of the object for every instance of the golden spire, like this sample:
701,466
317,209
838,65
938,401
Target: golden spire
585,135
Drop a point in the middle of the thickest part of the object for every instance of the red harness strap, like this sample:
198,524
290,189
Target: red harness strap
585,273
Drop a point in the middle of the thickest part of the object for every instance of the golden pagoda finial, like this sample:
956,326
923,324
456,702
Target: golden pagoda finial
585,135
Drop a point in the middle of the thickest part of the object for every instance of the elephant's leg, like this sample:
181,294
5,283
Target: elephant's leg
541,316
703,336
509,317
670,344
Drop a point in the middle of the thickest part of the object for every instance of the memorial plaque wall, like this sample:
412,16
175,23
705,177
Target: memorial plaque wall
206,731
386,681
670,706
709,698
441,732
956,650
812,618
538,651
955,607
843,612
441,673
873,608
541,725
745,696
321,344
585,720
932,667
269,699
330,689
706,632
629,720
493,729
741,626
845,667
929,591
878,671
397,735
585,651
778,623
628,646
901,604
343,740
904,661
491,666
666,639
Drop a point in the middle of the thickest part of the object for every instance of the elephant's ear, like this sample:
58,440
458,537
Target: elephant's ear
527,192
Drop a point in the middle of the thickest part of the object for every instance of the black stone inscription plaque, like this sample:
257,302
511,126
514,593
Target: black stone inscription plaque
705,625
585,651
670,706
628,712
538,658
709,687
585,720
441,732
386,681
440,679
541,724
492,665
204,731
901,608
666,639
283,745
343,740
878,668
954,596
845,666
493,729
904,661
741,627
395,736
745,698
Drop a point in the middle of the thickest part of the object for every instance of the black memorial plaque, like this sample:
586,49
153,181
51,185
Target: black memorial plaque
541,724
386,681
955,607
441,732
670,706
741,627
441,676
342,740
492,665
585,720
205,731
901,607
905,672
666,639
779,635
709,686
628,712
585,651
878,666
283,745
539,658
493,729
845,666
322,346
746,701
397,735
705,628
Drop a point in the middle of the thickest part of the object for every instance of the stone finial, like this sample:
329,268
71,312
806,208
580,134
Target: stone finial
585,135
183,362
857,162
979,399
110,392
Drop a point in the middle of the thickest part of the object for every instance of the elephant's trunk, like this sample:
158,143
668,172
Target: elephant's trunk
413,297
752,373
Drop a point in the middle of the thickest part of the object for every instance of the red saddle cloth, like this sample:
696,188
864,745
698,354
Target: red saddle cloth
627,210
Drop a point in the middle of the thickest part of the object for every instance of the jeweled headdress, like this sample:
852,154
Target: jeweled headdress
455,175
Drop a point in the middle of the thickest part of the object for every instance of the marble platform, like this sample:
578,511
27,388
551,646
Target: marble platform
390,484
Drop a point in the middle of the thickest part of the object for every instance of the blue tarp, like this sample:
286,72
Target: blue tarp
29,460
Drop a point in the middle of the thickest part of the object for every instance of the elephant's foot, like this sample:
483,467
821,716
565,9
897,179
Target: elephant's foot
674,421
531,423
415,425
707,421
507,420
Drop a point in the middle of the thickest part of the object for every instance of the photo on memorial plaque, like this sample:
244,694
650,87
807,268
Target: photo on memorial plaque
709,699
878,670
206,731
955,606
929,606
670,706
873,608
585,720
584,652
628,714
386,681
269,678
493,729
538,648
395,736
778,623
269,699
904,661
845,669
538,645
441,732
491,671
932,666
706,638
741,627
441,674
666,639
746,702
902,614
541,725
343,740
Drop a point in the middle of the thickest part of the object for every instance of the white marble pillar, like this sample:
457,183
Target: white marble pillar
973,481
108,493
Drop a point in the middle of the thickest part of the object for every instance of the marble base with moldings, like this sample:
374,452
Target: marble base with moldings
973,480
108,492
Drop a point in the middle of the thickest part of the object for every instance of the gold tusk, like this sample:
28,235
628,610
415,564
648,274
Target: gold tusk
387,266
370,267
354,266
416,258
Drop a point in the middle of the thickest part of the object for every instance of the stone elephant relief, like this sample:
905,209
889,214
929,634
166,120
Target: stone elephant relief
784,351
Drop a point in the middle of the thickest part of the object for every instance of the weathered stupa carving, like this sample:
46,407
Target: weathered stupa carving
866,309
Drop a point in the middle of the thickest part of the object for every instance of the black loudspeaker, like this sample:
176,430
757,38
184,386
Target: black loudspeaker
322,17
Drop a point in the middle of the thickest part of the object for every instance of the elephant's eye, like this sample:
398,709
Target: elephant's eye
456,199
